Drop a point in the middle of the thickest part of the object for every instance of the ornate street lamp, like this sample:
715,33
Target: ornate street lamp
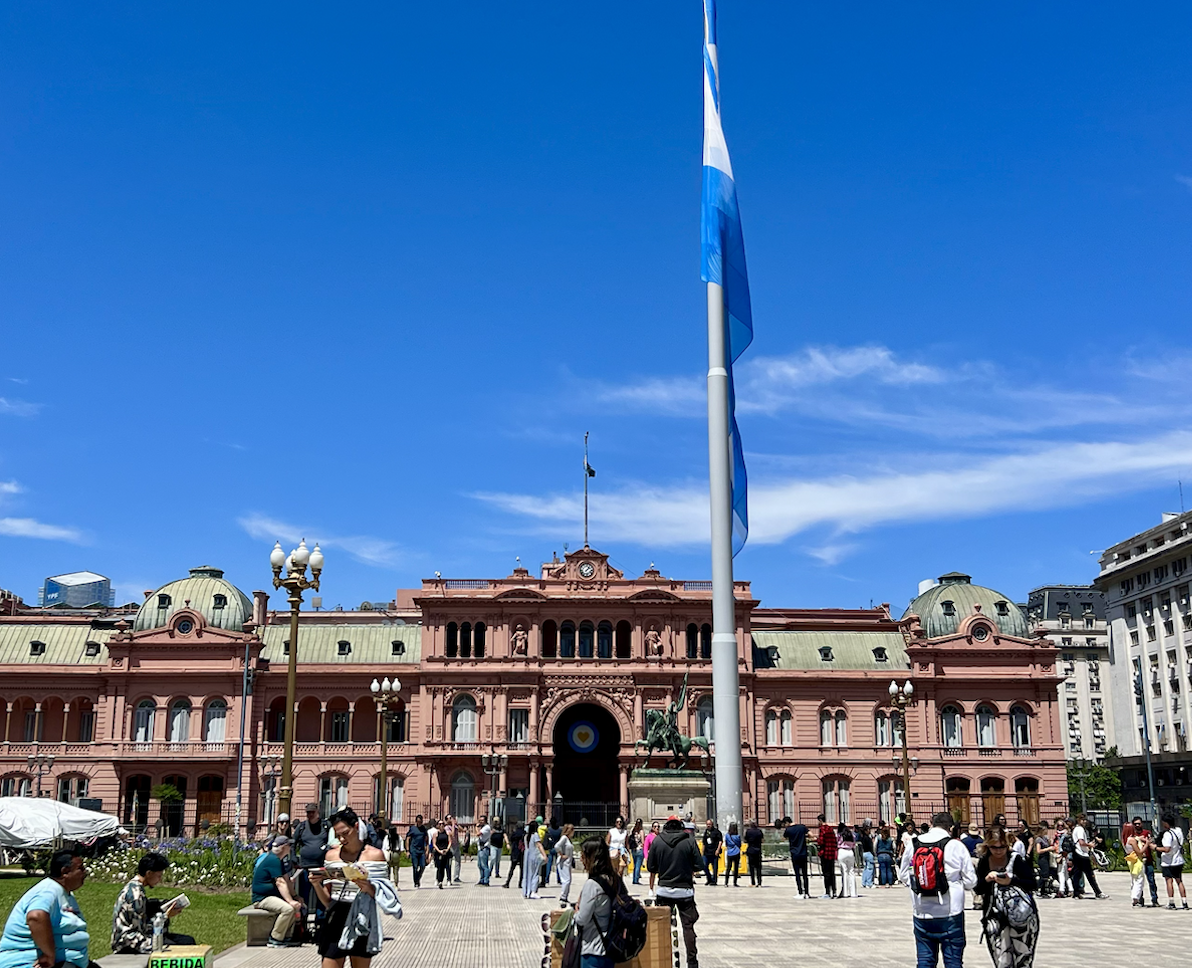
42,763
493,767
295,583
900,699
385,694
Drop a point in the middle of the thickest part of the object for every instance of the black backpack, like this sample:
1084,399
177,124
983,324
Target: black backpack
1067,844
626,934
551,838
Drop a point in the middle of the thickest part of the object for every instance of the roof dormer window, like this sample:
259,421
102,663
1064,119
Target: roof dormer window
37,648
345,647
163,601
91,649
285,647
1003,608
399,647
879,654
825,653
772,652
219,601
948,607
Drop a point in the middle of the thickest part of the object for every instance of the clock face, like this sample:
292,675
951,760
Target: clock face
587,569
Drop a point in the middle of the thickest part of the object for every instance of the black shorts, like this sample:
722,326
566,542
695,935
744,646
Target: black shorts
333,927
1176,873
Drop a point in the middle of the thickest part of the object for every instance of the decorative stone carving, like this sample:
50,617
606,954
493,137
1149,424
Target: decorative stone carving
653,643
521,640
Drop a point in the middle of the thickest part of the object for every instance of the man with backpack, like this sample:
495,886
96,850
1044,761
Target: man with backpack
938,870
675,857
1171,842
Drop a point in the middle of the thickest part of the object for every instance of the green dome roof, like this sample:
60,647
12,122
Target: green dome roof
943,607
220,602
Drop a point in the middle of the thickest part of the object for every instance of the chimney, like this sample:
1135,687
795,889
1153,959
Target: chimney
260,604
925,584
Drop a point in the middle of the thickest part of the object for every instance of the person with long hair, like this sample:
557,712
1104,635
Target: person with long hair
1006,884
440,851
648,842
885,847
615,838
753,852
846,846
732,855
565,853
352,885
517,850
637,849
595,907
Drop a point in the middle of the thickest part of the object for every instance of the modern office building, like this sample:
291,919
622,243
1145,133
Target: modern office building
79,589
1074,617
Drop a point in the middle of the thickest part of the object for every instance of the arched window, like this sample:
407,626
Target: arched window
890,799
452,649
881,728
841,728
276,722
215,721
705,719
16,785
463,797
785,727
692,641
143,721
333,793
465,640
836,805
986,734
624,640
771,727
825,727
549,639
393,810
478,640
780,797
1020,727
705,641
950,733
463,720
587,634
604,640
956,789
567,640
180,721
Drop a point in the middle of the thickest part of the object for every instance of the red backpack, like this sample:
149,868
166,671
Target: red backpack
927,868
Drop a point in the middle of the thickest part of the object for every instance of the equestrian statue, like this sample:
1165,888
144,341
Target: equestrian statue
662,733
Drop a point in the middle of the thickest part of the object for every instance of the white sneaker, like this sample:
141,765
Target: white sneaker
536,896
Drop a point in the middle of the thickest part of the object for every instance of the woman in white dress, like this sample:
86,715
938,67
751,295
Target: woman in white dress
617,850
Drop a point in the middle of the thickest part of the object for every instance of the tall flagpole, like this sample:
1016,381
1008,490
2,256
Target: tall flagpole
725,677
587,474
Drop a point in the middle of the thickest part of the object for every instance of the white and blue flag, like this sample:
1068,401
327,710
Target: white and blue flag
723,259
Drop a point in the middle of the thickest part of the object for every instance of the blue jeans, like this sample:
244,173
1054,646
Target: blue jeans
482,862
936,935
867,874
595,961
638,858
885,869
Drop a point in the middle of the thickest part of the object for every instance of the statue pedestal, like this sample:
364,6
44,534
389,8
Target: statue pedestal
656,794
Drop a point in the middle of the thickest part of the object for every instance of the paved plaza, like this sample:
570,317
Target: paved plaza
474,927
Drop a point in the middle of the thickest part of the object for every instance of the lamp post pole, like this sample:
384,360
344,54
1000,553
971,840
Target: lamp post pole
385,694
901,698
295,583
41,762
493,767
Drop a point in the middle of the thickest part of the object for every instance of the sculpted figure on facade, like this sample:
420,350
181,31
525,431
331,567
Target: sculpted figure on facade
653,643
521,641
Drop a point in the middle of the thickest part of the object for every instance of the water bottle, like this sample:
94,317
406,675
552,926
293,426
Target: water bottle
159,931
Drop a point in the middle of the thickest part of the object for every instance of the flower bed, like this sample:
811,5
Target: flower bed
201,862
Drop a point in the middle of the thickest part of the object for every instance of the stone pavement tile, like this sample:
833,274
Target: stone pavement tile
476,927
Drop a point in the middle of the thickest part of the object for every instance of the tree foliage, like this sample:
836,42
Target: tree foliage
1102,786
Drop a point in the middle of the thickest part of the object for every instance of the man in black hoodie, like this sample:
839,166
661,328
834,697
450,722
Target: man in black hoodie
675,857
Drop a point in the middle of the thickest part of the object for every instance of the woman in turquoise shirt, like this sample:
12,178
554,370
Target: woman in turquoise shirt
45,927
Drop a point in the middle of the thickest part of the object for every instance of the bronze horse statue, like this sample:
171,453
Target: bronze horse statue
662,732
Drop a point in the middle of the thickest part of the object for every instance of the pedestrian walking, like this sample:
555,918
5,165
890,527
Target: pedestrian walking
517,851
483,843
796,838
753,852
1171,843
554,831
1063,857
1045,850
938,870
647,843
1082,865
565,850
732,855
615,838
441,852
496,847
418,847
713,843
1006,884
455,832
846,854
535,860
826,850
675,857
637,849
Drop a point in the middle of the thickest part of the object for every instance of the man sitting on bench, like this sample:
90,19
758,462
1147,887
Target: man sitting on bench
271,892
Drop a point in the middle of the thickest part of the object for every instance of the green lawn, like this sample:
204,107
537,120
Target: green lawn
211,918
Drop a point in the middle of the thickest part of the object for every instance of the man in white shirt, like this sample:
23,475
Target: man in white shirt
939,913
1082,865
1172,861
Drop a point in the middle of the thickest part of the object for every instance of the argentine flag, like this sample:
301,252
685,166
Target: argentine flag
723,258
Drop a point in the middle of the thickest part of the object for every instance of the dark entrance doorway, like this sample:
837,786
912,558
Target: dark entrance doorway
587,741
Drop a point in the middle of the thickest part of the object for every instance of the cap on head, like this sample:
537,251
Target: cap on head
282,816
312,808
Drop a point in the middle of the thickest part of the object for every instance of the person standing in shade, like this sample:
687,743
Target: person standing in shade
732,855
483,840
796,838
565,855
46,928
754,838
939,917
496,846
1082,865
417,846
1171,843
675,857
440,849
846,853
713,844
517,851
535,860
826,850
271,892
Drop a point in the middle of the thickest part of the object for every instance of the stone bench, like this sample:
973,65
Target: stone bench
260,924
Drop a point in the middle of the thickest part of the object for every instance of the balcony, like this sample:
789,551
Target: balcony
953,751
52,749
164,749
1025,751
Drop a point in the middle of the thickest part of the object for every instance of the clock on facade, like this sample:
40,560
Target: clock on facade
586,569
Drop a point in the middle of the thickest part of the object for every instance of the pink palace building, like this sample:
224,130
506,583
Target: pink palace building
189,689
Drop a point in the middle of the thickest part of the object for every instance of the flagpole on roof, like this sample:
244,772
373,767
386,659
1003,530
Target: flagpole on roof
589,471
730,330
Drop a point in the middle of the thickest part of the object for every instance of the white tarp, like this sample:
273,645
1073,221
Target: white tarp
31,822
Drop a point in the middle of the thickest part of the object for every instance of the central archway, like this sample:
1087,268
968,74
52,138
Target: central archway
587,741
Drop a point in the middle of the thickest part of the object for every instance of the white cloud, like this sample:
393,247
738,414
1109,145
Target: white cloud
672,396
30,528
832,554
364,548
1185,181
10,487
19,408
958,486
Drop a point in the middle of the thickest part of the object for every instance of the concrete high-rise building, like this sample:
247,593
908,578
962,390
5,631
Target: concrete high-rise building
77,590
1074,616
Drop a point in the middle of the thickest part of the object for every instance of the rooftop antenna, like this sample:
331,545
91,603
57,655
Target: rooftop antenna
1181,484
589,471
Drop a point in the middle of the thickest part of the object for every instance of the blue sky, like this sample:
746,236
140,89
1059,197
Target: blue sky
367,277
